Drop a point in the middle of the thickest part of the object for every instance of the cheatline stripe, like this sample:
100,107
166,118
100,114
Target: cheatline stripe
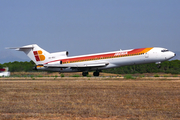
104,56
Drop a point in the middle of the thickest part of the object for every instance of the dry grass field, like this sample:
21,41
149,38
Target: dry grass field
86,99
52,74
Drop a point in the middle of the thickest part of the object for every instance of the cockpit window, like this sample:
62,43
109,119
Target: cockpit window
165,50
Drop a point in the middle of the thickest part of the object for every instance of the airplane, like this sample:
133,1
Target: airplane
60,62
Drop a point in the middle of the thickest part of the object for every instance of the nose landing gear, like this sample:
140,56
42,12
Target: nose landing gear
158,64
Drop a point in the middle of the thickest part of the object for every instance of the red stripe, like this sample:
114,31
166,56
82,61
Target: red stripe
37,58
2,69
35,53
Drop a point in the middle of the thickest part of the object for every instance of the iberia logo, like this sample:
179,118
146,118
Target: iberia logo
38,55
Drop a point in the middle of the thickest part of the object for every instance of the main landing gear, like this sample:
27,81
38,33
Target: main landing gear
96,73
85,73
158,64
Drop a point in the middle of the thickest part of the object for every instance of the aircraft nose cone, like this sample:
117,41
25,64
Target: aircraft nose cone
171,55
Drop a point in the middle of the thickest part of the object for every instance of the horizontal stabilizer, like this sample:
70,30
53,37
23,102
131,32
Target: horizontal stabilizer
22,48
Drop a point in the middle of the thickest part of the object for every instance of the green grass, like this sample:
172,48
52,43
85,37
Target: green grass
128,76
166,76
88,76
175,76
32,77
156,75
141,76
55,77
62,75
75,76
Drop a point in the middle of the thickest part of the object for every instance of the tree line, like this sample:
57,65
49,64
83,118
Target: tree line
17,66
172,67
165,67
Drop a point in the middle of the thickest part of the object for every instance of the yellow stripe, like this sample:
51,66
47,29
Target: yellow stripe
39,66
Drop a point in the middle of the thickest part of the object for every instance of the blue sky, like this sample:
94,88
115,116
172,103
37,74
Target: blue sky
89,26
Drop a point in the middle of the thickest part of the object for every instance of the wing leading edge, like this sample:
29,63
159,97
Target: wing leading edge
99,64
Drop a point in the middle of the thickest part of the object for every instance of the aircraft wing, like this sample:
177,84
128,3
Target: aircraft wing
87,65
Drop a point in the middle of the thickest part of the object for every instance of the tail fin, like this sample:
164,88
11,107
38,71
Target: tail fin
6,69
35,53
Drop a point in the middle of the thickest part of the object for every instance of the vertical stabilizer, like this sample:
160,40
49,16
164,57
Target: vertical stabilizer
35,53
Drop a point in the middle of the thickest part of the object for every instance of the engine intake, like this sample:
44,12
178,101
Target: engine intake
60,54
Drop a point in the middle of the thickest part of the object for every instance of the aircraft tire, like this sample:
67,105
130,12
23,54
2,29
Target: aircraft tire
96,73
159,66
85,73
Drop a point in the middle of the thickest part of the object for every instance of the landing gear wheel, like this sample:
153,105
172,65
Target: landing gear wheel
159,66
85,73
96,73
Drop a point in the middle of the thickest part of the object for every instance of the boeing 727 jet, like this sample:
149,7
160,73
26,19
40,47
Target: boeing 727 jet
60,62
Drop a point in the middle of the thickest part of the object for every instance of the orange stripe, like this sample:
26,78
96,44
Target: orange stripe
146,50
135,51
39,66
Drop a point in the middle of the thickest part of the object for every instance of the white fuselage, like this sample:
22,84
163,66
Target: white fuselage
60,62
114,59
